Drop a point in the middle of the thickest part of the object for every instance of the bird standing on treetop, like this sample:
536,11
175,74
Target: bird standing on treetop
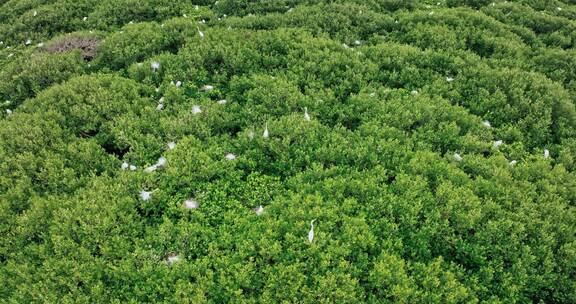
311,232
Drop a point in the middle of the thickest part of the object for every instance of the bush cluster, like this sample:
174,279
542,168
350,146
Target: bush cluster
432,143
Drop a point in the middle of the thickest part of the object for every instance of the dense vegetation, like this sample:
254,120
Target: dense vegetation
433,143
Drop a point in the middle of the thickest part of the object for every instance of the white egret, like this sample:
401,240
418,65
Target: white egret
145,195
196,109
151,169
28,42
414,92
457,157
306,116
85,18
512,163
160,106
486,124
132,168
311,232
449,79
251,134
171,145
222,101
200,33
207,88
8,112
497,143
259,210
172,258
161,162
230,156
191,204
35,14
155,65
266,134
546,153
124,166
357,42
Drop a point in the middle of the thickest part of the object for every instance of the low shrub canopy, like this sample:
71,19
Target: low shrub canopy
177,152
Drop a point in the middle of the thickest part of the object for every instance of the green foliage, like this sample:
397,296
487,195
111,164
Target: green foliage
376,120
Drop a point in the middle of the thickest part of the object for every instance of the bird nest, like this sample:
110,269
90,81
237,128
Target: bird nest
87,45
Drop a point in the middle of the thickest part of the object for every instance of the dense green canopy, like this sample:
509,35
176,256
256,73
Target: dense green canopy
433,143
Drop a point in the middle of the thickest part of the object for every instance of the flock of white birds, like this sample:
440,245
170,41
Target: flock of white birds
191,203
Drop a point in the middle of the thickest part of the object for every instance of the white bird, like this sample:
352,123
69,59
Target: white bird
251,134
157,90
161,162
546,153
172,258
345,46
8,112
132,168
10,55
486,124
151,168
85,18
497,143
414,92
311,232
160,106
196,109
191,204
171,145
457,157
222,101
230,156
207,88
35,14
306,116
28,42
145,195
259,210
155,65
200,33
512,163
449,79
372,94
559,8
266,134
196,7
124,166
357,42
41,44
